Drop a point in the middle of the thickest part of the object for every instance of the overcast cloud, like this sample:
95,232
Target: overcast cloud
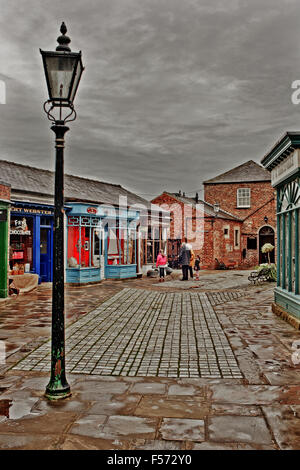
174,91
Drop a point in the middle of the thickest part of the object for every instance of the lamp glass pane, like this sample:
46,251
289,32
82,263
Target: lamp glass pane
79,70
60,71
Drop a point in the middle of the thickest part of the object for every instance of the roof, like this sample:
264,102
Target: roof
281,150
207,207
245,173
23,178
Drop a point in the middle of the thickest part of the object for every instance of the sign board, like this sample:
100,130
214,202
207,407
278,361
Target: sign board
286,168
92,210
27,210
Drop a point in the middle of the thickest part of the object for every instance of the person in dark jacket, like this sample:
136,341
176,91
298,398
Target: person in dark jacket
184,260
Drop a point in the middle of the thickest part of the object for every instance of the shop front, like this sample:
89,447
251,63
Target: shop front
284,163
4,221
101,243
31,240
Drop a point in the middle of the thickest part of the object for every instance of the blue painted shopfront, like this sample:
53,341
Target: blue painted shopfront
31,240
101,243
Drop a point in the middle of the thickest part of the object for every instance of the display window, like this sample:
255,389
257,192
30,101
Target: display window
21,244
153,244
84,242
121,246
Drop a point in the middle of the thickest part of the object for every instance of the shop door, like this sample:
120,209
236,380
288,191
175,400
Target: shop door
45,260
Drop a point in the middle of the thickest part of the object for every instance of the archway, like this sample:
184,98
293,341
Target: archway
266,235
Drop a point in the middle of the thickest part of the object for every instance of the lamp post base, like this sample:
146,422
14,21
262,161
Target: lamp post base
57,393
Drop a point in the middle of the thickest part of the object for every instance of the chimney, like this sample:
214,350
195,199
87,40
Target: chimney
183,194
197,198
179,193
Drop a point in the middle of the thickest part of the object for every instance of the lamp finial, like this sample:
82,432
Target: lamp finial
63,40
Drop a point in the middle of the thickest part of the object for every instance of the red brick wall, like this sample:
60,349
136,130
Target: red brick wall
206,234
263,204
226,195
4,192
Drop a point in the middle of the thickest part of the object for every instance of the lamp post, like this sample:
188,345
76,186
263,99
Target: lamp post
63,70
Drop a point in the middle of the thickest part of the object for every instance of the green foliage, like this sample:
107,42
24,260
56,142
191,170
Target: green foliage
271,267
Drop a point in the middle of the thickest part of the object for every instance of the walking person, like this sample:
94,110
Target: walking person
184,259
197,267
161,263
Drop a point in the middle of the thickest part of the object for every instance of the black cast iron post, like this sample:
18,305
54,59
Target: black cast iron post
58,386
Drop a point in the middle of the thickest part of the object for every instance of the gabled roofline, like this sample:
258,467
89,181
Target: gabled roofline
187,201
219,179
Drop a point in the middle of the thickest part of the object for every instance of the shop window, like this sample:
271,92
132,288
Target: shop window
251,243
243,198
46,221
21,243
121,246
84,243
153,243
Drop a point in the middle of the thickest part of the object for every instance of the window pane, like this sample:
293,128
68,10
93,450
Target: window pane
96,244
85,247
112,247
21,243
243,197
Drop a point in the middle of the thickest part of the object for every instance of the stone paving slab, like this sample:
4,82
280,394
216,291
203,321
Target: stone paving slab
124,414
220,280
146,333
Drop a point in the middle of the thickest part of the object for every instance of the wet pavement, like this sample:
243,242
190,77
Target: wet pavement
260,409
142,333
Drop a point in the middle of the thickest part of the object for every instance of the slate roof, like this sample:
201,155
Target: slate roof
246,173
207,207
23,178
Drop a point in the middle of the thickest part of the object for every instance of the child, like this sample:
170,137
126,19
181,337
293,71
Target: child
197,267
161,262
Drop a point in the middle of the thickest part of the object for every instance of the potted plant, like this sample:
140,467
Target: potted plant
267,248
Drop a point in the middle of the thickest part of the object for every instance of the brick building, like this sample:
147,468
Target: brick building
236,218
201,223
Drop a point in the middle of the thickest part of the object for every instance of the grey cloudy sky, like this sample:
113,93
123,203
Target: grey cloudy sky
174,91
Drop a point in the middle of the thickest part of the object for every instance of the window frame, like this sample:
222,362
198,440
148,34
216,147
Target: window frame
240,205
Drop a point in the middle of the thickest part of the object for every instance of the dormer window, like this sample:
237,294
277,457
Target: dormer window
243,198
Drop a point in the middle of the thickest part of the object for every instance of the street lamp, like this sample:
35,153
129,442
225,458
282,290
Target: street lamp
63,70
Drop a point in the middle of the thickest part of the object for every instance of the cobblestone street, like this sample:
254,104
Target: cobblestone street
153,367
137,333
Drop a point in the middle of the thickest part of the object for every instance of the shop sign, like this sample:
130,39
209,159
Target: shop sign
19,227
27,210
91,210
285,168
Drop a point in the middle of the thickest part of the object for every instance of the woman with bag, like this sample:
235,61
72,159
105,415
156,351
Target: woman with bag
161,263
